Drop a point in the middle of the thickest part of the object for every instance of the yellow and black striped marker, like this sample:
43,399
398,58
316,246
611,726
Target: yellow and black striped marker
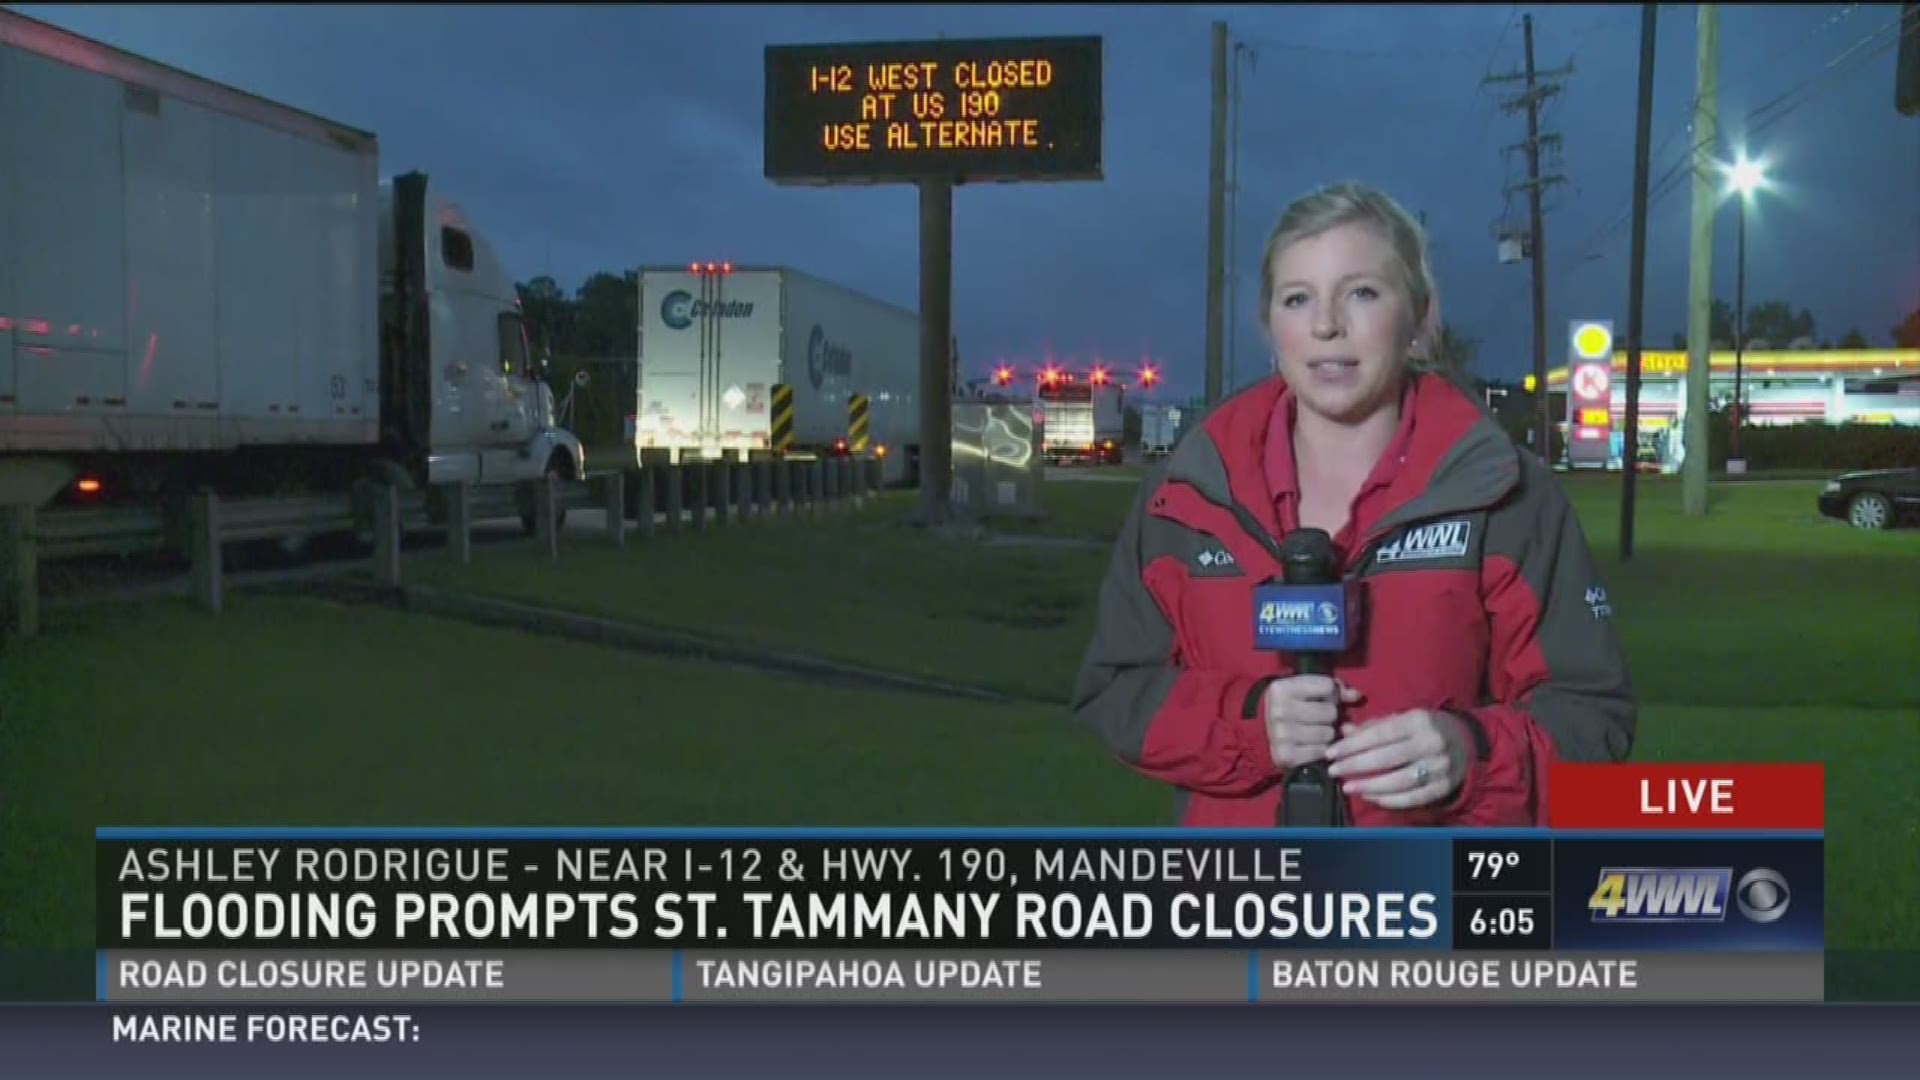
782,418
857,427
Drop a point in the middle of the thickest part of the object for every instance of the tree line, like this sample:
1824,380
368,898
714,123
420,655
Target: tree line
598,323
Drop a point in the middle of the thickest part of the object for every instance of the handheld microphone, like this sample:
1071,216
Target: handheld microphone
1310,620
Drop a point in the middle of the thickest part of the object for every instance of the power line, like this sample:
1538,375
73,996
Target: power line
1540,85
1671,179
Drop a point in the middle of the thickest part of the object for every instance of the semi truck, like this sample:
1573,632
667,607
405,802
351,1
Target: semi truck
718,341
1159,429
203,289
1085,419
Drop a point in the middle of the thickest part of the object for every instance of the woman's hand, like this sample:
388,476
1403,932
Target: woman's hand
1302,713
1407,760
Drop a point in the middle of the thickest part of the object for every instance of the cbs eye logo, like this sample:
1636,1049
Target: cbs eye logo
1762,895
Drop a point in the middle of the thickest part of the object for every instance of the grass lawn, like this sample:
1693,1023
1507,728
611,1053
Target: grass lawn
851,586
1760,634
295,712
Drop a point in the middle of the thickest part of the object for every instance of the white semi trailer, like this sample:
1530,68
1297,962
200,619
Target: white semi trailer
717,340
201,288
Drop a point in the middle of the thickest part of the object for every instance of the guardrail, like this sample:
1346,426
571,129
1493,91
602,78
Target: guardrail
670,498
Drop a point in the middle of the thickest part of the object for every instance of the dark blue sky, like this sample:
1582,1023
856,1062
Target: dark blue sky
585,138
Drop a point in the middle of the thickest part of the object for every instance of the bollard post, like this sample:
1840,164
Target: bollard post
19,564
547,516
459,498
205,552
642,489
614,491
816,482
745,497
676,479
386,535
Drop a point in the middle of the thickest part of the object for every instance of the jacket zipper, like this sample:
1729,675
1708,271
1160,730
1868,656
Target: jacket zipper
1259,535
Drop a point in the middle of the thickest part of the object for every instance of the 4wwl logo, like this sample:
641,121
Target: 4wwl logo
1695,895
1447,540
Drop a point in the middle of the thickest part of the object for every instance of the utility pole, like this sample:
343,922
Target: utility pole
1906,73
1637,275
1706,137
1537,91
1216,212
1233,219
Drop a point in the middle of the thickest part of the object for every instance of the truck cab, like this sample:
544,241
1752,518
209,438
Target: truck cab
466,398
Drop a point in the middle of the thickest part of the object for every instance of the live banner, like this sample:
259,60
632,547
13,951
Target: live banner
1654,884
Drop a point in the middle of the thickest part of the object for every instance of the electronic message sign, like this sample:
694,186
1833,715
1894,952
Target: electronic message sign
1003,109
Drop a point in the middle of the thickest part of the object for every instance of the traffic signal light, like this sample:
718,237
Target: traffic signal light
1532,384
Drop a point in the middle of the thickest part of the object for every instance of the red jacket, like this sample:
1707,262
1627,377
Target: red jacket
1479,594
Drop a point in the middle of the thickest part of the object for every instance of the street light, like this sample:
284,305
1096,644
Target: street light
1744,177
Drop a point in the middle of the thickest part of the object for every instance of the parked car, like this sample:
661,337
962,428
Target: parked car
1879,499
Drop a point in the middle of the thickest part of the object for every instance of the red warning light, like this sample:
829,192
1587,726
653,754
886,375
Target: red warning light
694,269
1003,375
726,268
1148,376
1099,377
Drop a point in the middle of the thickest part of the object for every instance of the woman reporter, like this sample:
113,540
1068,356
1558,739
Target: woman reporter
1486,648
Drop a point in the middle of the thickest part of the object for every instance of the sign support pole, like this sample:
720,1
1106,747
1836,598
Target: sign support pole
936,329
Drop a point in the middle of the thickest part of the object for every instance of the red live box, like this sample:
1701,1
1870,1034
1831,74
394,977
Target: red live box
1635,797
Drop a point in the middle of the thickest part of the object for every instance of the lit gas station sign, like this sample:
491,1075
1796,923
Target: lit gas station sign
1590,393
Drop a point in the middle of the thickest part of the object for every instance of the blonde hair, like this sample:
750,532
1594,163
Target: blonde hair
1353,203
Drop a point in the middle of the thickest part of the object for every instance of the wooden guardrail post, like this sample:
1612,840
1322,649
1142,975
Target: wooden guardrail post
642,487
763,489
614,493
386,535
19,566
698,486
782,487
546,516
204,551
743,497
459,502
675,476
722,471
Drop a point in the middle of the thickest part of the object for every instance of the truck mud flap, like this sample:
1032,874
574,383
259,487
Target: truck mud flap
406,356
